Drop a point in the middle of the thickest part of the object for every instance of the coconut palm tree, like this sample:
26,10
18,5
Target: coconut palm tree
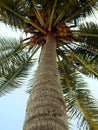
68,48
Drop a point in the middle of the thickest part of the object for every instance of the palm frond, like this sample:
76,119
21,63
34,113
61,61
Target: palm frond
8,45
13,13
87,60
81,46
84,49
90,65
15,77
37,13
81,10
9,48
15,65
52,15
90,41
77,96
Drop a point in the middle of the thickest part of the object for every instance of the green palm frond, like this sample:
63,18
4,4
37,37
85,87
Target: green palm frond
83,58
80,104
15,76
77,50
52,15
81,46
75,10
37,13
84,50
88,105
14,13
84,68
90,41
15,65
88,35
7,45
17,12
9,48
87,60
88,57
11,11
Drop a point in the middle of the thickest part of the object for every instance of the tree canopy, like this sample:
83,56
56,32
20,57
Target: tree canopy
77,49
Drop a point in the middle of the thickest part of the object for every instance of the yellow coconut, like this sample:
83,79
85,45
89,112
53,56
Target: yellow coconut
61,34
65,34
64,30
32,39
59,28
32,43
63,25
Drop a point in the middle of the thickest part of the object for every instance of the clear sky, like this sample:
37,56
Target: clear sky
12,106
12,110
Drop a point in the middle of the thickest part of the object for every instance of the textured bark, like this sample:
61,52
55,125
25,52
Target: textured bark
46,107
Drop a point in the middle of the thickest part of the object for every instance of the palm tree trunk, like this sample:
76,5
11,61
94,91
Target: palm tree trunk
46,107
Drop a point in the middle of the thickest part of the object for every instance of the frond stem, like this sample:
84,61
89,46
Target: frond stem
52,15
37,13
59,18
84,34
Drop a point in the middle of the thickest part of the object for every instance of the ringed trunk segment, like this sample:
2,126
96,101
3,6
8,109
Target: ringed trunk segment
46,107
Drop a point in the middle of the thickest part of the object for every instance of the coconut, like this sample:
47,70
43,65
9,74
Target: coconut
32,43
61,34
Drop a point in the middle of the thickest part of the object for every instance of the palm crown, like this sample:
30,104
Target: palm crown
77,49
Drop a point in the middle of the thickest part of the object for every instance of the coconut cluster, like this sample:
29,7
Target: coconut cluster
63,30
36,39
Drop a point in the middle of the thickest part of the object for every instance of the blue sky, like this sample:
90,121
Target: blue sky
12,110
13,106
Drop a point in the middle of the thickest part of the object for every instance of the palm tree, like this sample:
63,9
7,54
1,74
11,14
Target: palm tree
68,47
